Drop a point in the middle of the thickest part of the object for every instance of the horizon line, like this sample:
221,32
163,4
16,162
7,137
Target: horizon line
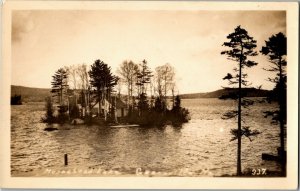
177,94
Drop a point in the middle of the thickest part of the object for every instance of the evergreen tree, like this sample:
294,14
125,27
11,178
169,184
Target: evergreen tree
49,116
177,103
60,84
159,105
143,77
103,81
241,45
276,50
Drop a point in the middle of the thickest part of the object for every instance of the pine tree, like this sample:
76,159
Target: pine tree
276,50
165,76
60,84
102,80
143,77
241,45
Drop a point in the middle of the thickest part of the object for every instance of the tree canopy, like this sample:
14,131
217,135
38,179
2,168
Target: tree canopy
276,50
59,83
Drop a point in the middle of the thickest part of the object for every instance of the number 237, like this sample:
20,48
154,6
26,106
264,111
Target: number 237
259,171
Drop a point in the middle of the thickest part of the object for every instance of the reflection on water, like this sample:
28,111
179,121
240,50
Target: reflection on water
200,147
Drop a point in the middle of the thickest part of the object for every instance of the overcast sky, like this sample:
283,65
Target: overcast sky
191,41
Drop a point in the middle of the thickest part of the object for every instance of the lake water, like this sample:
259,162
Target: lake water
200,147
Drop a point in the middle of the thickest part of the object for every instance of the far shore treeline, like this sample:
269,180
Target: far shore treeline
31,94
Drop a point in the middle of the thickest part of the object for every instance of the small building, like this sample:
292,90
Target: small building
113,106
122,110
107,106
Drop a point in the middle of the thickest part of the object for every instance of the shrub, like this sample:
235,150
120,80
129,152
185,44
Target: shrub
49,117
74,112
16,100
62,114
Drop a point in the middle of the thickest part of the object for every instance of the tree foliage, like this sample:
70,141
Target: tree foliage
101,77
60,84
241,46
102,80
82,72
276,51
128,74
165,79
143,77
49,116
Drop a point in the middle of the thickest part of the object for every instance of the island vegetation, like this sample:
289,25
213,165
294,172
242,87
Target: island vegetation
94,96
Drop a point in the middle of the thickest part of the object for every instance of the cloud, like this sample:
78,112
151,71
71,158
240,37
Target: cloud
22,23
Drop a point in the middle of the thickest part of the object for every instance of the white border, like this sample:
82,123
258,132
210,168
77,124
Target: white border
290,182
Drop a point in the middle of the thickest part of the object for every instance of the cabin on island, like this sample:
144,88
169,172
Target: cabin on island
121,107
107,106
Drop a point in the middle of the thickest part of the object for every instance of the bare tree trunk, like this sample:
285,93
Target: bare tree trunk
131,92
100,102
115,110
88,101
239,166
173,98
85,102
60,97
281,121
128,98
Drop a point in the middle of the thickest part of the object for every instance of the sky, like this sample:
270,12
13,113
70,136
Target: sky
191,41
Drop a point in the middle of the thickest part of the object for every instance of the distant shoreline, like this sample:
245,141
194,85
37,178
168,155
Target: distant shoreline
31,94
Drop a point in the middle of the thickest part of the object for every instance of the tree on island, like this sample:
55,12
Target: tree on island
82,72
60,84
103,81
276,50
143,77
152,106
73,76
241,45
128,72
49,115
165,82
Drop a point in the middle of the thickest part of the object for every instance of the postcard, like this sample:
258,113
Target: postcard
149,94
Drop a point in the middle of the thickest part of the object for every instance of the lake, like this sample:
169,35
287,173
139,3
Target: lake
200,147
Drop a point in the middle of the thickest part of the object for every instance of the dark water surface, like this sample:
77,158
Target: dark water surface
200,147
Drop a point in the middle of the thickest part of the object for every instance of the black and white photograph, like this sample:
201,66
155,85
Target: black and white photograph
149,93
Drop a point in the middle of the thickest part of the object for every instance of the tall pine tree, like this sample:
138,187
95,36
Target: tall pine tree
276,50
103,81
143,78
60,84
240,45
